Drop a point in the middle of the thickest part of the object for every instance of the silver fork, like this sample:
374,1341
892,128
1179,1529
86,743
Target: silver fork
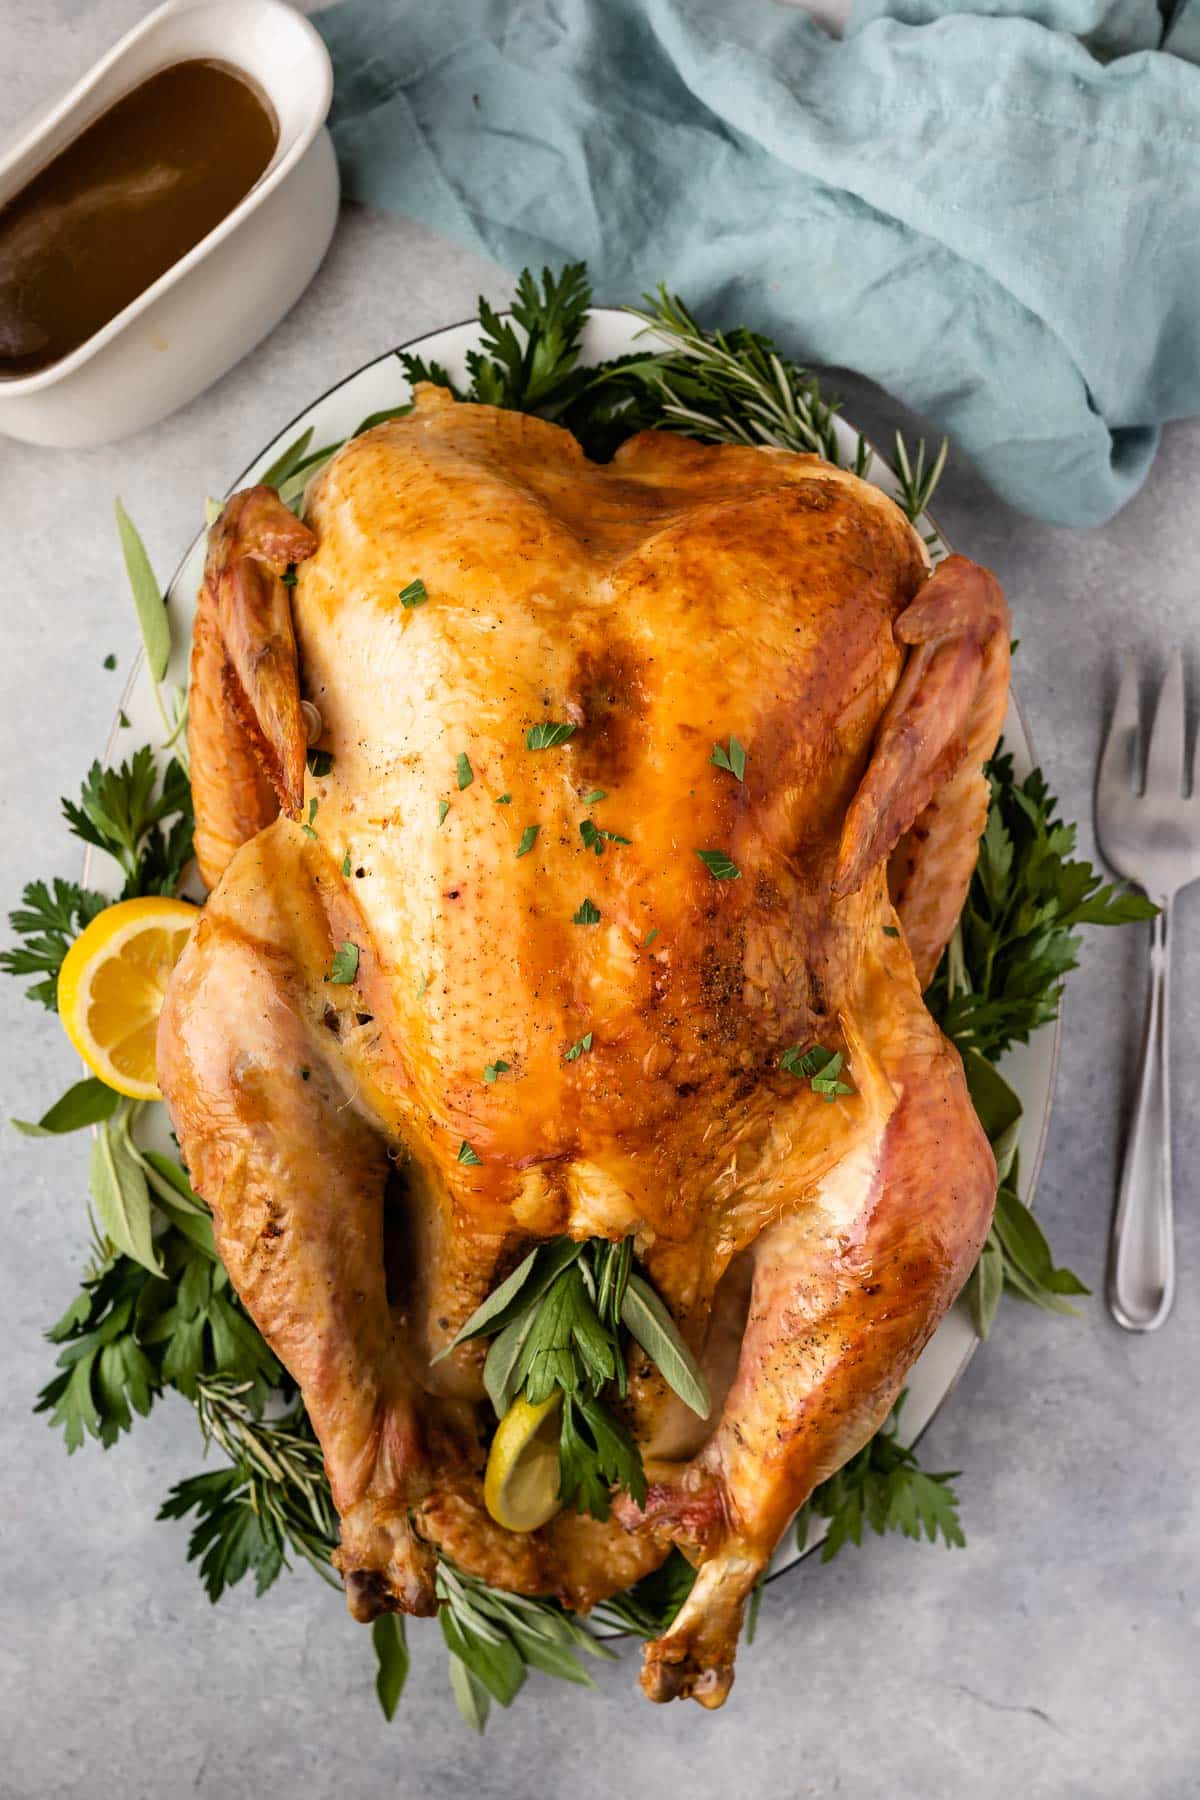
1151,838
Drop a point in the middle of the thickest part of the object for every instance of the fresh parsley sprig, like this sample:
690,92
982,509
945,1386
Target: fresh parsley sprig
527,362
145,826
1017,937
51,915
883,1487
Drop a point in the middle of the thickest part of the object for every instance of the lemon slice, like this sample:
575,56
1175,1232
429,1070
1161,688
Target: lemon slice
520,1488
111,987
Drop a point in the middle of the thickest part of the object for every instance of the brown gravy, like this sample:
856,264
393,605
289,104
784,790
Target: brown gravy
126,199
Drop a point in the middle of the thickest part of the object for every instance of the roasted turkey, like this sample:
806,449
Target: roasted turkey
806,1248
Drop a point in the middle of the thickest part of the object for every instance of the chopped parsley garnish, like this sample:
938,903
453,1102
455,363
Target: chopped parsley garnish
467,1155
594,794
588,914
443,809
548,734
465,772
493,1070
414,594
110,661
288,577
595,838
819,1067
649,937
346,863
502,800
123,719
312,813
345,965
890,931
719,865
577,1048
528,839
733,759
319,762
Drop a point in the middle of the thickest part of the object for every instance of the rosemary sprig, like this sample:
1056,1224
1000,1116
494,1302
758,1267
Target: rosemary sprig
917,483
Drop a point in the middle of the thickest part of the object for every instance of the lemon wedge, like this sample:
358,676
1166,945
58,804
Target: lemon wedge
111,987
520,1488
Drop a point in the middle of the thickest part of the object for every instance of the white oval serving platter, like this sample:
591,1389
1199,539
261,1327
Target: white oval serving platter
381,384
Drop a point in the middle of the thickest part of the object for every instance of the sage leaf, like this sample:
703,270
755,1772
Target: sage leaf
497,1665
391,1654
470,1695
651,1324
171,1172
285,463
987,1285
118,1186
482,1318
551,1659
87,1103
147,596
504,1354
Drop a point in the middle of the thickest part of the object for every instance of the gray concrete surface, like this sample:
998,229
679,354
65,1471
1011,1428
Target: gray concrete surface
1056,1656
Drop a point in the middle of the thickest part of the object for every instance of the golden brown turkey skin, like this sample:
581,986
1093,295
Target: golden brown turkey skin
658,604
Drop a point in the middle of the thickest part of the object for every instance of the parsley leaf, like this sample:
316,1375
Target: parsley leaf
110,661
119,811
548,734
502,800
577,1048
733,759
595,838
414,594
720,865
528,839
819,1067
465,772
443,809
467,1155
344,968
883,1487
527,362
593,795
1017,938
49,918
588,914
493,1070
320,762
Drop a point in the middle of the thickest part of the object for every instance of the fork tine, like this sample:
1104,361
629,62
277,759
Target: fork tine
1164,757
1116,771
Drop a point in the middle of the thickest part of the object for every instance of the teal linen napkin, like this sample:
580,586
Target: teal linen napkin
991,209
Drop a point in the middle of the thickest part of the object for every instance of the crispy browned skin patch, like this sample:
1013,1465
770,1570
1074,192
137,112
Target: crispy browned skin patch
807,1250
